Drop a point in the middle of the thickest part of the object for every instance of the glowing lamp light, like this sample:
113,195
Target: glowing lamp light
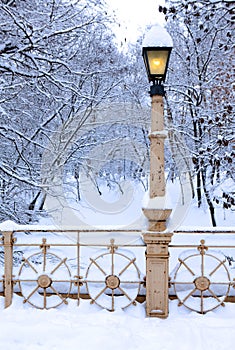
157,46
156,61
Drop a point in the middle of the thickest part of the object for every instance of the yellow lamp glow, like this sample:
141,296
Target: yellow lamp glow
156,62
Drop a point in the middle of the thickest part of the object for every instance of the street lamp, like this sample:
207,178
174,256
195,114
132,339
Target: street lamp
156,61
157,46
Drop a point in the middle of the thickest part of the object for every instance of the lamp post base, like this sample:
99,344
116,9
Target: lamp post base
157,273
157,218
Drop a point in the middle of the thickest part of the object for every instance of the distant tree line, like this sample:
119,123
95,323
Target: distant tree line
59,65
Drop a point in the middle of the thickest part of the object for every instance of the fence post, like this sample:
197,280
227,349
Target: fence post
157,273
8,264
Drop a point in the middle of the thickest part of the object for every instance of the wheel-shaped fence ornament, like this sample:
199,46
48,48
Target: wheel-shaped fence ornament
44,279
201,280
113,279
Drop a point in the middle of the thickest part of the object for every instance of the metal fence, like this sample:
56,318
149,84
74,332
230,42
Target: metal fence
48,267
203,273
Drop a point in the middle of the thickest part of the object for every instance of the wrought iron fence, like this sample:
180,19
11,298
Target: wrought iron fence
203,277
48,267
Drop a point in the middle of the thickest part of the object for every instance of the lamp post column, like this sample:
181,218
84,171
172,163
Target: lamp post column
157,138
157,46
155,211
157,254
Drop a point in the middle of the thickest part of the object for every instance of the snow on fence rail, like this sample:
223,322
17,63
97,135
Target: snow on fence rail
49,266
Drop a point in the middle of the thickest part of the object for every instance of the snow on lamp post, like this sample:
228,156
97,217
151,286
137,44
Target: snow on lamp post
157,47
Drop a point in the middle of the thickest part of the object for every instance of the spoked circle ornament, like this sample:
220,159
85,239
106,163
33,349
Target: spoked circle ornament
113,279
44,280
201,280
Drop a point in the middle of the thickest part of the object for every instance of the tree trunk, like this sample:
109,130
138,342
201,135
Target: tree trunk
198,188
34,201
208,199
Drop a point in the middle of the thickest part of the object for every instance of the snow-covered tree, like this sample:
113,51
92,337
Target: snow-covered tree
58,63
201,93
54,60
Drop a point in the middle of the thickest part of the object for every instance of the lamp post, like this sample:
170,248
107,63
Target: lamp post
157,47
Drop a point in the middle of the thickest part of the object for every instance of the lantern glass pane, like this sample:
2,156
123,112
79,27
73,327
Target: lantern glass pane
157,62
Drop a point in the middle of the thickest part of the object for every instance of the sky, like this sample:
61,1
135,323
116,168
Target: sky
135,15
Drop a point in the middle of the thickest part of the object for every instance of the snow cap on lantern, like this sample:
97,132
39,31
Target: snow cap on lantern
157,46
157,36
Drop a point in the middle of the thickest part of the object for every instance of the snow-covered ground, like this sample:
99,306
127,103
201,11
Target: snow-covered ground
88,327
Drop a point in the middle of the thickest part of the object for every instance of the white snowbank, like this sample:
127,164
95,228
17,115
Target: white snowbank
88,327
